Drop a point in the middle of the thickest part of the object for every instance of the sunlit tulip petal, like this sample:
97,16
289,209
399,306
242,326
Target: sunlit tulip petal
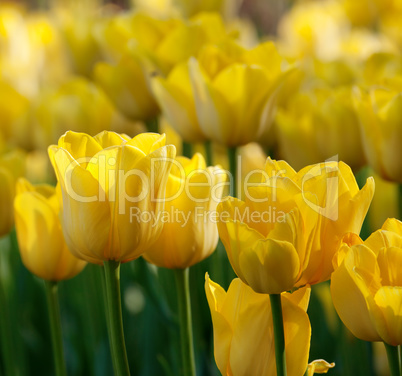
243,330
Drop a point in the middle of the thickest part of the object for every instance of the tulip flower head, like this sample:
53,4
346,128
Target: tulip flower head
243,330
192,194
366,284
380,122
235,91
287,230
40,237
104,180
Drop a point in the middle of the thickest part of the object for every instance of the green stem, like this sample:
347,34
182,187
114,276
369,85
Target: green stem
153,125
400,359
187,150
279,334
186,330
114,317
208,153
6,334
393,359
55,327
232,155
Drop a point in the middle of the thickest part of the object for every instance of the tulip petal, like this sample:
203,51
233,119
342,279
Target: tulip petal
245,89
148,142
270,266
350,294
79,145
177,103
85,217
221,327
235,235
389,322
213,112
106,139
145,190
243,335
393,225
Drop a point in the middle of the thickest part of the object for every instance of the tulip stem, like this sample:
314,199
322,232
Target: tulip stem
187,149
232,155
153,125
400,359
208,153
6,334
393,359
279,334
186,329
55,327
115,319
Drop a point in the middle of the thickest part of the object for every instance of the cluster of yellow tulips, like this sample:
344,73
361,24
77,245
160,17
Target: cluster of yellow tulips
172,136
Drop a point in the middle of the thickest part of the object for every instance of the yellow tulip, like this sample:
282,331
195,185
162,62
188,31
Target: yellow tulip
77,22
76,105
13,109
286,232
12,166
314,28
104,181
383,69
31,49
40,237
190,233
149,46
366,285
235,98
243,330
361,12
175,98
380,120
317,125
134,100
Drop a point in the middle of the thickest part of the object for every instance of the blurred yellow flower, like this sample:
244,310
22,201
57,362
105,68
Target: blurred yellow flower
32,53
149,46
12,166
380,113
76,105
383,69
174,96
82,48
13,110
127,86
286,232
40,238
366,284
313,28
105,181
235,91
243,330
319,124
189,234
